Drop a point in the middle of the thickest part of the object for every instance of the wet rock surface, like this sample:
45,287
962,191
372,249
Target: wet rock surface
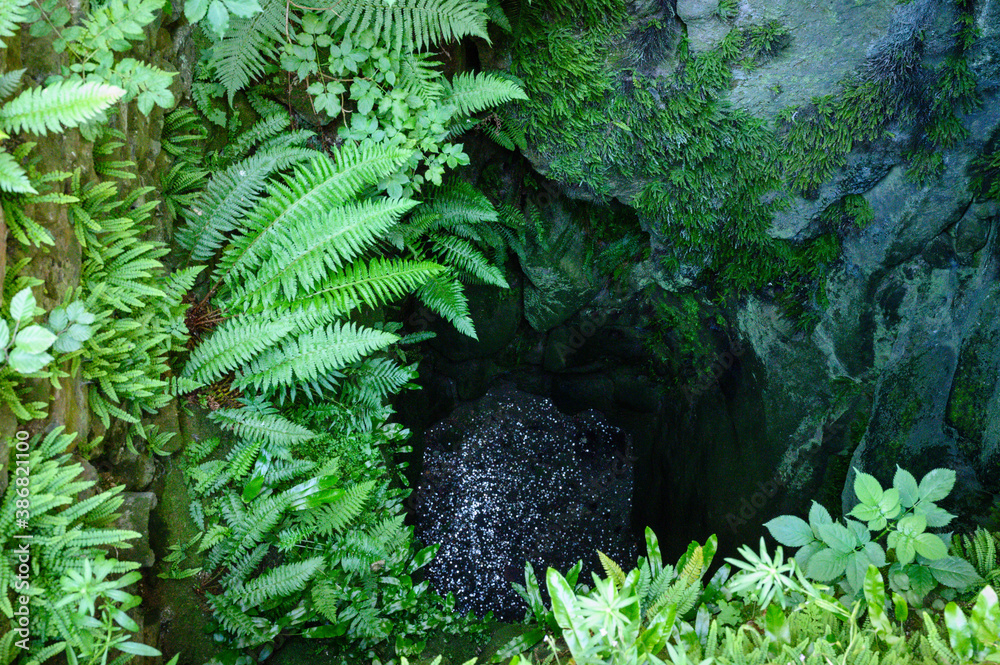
508,479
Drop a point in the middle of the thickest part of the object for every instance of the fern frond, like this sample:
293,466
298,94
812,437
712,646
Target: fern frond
379,282
612,569
322,185
302,255
58,106
446,297
472,93
272,429
12,12
230,195
10,81
464,255
312,354
13,177
235,342
279,582
339,513
249,45
413,25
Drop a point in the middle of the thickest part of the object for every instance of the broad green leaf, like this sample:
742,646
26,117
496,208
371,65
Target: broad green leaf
138,649
194,10
565,611
867,488
954,572
827,565
889,504
34,339
22,305
24,362
936,516
858,564
985,617
424,556
818,515
869,514
936,485
58,319
906,484
790,530
218,18
776,626
905,551
930,546
900,608
805,553
874,588
838,537
875,553
243,8
959,634
912,525
4,335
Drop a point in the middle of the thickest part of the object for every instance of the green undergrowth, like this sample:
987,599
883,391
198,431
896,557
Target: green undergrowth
709,176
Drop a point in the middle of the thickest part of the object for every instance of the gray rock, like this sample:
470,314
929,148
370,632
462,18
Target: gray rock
134,516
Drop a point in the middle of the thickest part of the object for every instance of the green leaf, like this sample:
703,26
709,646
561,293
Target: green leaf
54,107
22,305
867,489
874,588
243,8
936,516
138,649
889,504
4,336
900,607
912,525
906,484
858,564
930,546
985,617
194,10
827,565
218,18
818,515
34,339
13,177
954,572
790,530
936,485
838,537
25,362
959,634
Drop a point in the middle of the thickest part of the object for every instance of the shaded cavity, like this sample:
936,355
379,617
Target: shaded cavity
508,479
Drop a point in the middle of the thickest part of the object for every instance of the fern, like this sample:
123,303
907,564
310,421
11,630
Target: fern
13,177
374,284
234,343
229,197
472,93
323,185
249,45
272,429
302,253
58,106
12,12
281,581
446,297
311,355
413,25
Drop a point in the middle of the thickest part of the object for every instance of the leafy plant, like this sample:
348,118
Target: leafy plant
979,549
918,560
75,602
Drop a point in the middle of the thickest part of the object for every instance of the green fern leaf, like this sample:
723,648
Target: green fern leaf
13,177
273,429
282,581
413,25
312,354
249,46
10,81
57,106
236,342
323,185
472,93
302,255
447,298
12,12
